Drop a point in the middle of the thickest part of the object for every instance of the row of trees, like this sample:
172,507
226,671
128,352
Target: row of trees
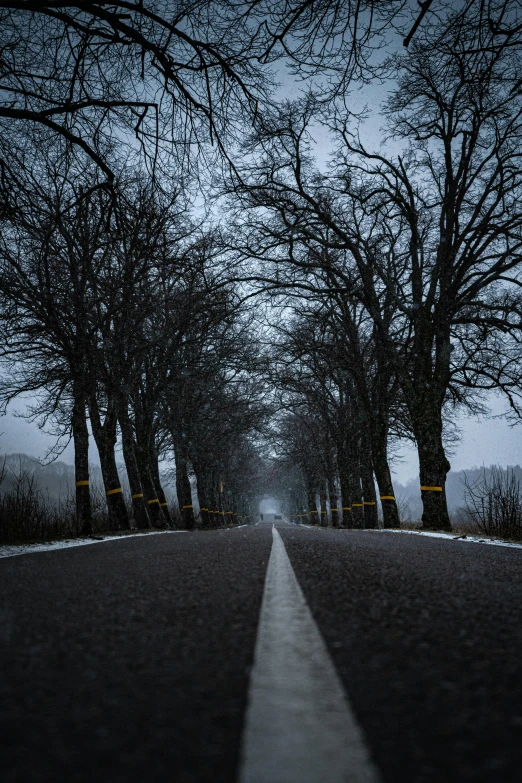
116,312
405,264
126,308
337,413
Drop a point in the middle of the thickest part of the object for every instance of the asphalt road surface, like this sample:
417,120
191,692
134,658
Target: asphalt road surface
134,659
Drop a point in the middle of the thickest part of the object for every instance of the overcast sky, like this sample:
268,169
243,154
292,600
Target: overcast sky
484,441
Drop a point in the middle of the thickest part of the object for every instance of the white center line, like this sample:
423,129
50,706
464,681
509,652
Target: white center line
299,726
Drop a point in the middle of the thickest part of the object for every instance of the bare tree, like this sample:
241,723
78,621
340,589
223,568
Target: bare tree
96,73
181,78
436,230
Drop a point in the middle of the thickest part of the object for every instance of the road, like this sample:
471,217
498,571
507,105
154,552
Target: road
134,659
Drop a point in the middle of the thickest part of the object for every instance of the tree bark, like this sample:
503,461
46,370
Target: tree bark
311,505
390,510
141,450
382,392
346,488
317,509
370,518
335,503
323,519
139,507
81,460
194,491
354,477
105,437
175,500
203,487
434,467
183,489
154,469
328,500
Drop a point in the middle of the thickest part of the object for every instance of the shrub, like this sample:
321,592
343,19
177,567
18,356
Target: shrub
494,504
27,514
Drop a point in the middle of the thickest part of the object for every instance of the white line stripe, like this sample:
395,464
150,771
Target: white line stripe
299,727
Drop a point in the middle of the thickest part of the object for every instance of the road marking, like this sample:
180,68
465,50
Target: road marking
299,727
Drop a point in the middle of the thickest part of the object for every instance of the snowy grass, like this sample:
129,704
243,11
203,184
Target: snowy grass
26,549
470,539
10,550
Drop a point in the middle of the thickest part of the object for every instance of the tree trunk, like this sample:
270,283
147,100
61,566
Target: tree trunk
81,461
211,493
105,437
346,489
139,508
203,486
175,500
335,503
434,467
355,486
322,510
194,493
310,518
154,469
382,394
218,507
327,502
390,510
183,489
318,508
228,506
368,486
141,450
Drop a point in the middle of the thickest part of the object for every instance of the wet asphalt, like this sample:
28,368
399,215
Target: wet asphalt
426,635
129,660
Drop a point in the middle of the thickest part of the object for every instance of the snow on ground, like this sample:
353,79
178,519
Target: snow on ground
448,536
465,538
25,549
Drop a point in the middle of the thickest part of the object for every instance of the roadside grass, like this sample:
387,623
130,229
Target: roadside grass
492,507
461,528
28,516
